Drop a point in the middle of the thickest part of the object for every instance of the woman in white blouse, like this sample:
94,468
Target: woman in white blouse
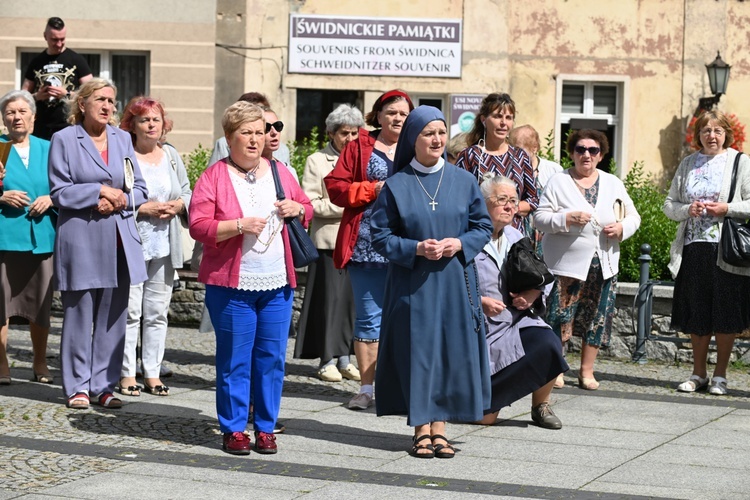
584,214
710,296
159,221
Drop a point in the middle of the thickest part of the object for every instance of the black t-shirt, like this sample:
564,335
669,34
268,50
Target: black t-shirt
62,70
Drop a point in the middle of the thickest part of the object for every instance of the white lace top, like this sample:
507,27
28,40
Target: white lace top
262,266
154,231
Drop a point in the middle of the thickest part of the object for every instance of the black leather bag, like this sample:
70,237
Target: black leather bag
735,235
524,269
303,249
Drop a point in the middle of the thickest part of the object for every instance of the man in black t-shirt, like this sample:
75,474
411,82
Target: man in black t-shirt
51,77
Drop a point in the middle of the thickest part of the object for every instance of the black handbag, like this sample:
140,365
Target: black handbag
735,235
524,269
303,249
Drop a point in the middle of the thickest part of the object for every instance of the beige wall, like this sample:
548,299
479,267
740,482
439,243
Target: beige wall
179,36
204,53
659,47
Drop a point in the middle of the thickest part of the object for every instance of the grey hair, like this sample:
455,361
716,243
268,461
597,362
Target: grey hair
14,95
344,116
490,180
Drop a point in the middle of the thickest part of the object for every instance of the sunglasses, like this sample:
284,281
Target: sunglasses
278,126
593,150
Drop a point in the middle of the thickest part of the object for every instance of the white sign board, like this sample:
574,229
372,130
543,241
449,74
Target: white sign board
339,45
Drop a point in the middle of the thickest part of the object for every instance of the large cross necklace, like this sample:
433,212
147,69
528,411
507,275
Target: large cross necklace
432,202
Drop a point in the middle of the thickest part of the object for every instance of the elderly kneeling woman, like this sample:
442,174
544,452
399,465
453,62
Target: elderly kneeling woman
525,353
249,275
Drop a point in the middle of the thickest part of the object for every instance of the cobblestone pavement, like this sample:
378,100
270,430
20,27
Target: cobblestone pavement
191,354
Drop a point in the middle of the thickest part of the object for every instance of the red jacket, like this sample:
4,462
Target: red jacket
348,187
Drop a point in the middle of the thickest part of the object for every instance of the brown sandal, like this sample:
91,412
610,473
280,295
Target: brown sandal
416,447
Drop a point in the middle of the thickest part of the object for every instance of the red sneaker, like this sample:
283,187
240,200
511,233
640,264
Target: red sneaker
236,443
265,443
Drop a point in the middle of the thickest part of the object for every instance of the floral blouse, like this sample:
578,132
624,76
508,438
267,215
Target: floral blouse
704,184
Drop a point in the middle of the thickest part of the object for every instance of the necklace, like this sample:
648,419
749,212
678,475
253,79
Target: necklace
249,173
432,202
573,176
103,146
391,147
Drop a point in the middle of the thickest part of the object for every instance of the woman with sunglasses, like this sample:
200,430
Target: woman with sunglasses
274,126
490,151
584,214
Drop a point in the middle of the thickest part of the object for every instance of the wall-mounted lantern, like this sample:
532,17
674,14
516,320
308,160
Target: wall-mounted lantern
718,78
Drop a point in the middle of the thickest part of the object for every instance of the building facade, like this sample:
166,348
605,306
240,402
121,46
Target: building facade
633,68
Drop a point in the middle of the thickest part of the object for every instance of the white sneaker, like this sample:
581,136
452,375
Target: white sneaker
361,401
329,373
350,372
718,386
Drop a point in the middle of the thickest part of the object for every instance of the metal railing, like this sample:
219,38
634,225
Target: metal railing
643,306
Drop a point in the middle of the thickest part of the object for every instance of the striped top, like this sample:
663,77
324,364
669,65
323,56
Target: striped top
514,164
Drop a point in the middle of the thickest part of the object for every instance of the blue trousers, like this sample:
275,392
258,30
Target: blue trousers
252,329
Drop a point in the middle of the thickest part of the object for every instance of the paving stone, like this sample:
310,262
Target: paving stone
632,432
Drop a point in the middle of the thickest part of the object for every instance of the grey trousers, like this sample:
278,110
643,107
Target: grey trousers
93,337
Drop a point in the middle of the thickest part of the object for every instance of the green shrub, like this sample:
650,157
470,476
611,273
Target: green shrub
196,162
300,150
656,229
548,152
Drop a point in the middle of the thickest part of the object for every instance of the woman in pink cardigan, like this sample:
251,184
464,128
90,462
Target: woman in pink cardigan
249,275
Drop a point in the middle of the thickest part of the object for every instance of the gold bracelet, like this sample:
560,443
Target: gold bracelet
239,226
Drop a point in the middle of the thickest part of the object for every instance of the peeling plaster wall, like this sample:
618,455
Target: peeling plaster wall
662,46
520,47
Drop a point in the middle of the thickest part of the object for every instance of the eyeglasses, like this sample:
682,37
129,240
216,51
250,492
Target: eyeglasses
279,126
593,150
716,131
501,201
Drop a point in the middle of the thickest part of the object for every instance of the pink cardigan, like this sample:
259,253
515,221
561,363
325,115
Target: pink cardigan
214,200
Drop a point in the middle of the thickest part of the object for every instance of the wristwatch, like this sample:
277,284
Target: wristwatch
301,211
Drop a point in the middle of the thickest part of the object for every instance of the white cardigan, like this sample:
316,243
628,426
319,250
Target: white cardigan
677,206
568,250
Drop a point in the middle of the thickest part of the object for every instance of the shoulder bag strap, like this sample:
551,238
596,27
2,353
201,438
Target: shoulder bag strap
277,182
734,177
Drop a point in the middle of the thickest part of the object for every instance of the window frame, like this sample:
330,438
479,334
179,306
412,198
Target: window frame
619,120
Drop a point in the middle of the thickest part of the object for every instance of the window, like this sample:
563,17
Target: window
314,106
429,100
595,102
128,71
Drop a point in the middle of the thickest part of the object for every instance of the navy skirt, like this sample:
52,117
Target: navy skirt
708,300
542,363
